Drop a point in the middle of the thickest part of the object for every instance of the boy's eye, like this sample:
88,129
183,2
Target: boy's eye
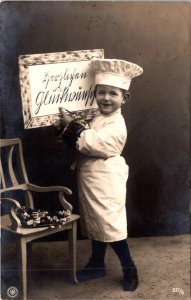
100,92
113,93
103,93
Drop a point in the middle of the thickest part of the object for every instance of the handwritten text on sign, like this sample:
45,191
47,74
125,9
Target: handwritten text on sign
52,80
61,85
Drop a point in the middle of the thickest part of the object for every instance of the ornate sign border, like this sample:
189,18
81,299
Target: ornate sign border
40,59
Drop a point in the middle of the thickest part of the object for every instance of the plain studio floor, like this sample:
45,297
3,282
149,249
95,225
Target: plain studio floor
163,266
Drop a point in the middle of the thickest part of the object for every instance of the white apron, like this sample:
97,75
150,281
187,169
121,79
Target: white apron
102,176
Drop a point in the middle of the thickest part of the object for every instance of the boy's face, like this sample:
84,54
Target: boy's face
108,98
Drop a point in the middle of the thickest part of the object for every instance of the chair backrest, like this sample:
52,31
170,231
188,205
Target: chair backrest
12,168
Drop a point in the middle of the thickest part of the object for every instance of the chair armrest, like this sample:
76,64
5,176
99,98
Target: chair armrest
66,205
15,222
41,189
61,189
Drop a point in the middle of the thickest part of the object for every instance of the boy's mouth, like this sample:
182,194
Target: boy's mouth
106,104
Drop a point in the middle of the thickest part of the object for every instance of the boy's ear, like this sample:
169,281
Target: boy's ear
125,98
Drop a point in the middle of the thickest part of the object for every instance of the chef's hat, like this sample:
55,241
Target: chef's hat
115,72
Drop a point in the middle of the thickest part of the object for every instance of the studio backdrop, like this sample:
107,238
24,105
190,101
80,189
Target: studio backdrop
154,35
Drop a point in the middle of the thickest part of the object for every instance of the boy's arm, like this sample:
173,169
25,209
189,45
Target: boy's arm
105,142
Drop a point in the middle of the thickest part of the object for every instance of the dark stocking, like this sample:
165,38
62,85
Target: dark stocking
122,250
95,268
98,252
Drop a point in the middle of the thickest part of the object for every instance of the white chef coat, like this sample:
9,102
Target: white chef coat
102,177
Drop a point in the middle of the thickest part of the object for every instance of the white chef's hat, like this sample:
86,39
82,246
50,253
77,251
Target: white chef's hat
115,72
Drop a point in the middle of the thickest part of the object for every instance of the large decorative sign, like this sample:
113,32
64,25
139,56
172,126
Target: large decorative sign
52,80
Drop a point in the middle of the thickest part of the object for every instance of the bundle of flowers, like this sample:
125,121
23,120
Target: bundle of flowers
31,217
66,117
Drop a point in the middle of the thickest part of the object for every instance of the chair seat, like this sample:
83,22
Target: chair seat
6,222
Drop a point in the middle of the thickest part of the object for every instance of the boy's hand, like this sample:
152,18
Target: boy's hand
65,116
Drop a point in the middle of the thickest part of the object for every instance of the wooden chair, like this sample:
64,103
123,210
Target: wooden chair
11,223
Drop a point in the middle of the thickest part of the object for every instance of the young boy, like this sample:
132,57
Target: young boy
103,172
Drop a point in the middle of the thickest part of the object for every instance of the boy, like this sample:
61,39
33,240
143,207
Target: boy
102,171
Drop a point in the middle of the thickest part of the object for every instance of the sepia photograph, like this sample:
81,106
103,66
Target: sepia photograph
95,150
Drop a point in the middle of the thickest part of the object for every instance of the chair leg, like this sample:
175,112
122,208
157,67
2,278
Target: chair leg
29,255
23,264
72,235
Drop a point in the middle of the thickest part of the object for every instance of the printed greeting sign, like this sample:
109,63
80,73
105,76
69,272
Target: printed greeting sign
52,80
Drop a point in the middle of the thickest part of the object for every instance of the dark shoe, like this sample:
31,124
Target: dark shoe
130,279
91,271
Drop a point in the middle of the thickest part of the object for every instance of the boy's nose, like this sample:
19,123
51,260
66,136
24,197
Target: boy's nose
106,96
